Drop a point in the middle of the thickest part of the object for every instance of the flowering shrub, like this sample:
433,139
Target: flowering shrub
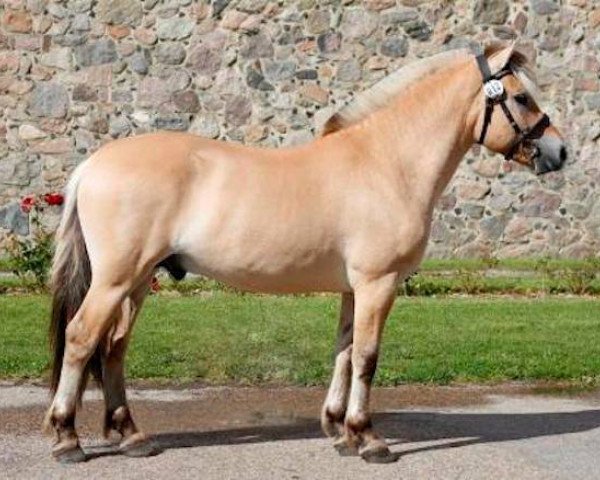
32,257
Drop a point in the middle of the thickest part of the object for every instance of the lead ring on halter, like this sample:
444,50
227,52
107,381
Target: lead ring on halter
496,95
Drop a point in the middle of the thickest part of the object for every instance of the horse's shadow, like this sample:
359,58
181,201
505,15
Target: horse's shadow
460,429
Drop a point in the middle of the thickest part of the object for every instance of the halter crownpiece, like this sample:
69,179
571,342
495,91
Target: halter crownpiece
496,95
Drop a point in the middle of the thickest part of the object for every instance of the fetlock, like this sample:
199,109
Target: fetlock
66,448
120,421
332,423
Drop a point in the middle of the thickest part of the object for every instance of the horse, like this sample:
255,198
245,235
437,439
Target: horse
349,213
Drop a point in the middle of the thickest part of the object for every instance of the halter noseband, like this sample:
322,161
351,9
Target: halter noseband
496,95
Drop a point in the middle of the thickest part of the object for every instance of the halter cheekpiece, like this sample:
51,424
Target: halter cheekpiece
496,95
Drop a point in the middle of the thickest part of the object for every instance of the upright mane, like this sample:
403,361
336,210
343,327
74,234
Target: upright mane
378,95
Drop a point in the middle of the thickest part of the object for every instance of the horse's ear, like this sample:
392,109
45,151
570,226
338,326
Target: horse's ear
499,59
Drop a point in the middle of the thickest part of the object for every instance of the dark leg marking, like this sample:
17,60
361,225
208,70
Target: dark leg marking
335,417
66,448
369,368
64,423
357,426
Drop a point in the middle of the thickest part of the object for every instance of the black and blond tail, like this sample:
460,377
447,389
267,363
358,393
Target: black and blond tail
70,281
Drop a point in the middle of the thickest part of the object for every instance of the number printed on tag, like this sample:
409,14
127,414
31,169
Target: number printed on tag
493,89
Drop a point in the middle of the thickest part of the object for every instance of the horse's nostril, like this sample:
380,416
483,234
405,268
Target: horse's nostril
563,154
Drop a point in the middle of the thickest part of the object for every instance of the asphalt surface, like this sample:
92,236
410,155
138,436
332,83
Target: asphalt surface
235,433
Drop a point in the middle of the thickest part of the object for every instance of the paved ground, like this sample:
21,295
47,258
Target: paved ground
445,433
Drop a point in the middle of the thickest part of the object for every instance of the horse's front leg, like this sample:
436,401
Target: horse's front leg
334,408
373,300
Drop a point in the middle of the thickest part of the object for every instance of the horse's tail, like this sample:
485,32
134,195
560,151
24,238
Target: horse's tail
70,281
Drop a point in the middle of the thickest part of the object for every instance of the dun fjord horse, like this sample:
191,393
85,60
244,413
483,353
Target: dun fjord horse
348,213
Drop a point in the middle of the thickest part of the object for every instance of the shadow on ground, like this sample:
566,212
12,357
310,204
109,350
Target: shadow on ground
460,429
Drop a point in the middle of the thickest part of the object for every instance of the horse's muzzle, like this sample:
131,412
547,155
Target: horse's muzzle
551,154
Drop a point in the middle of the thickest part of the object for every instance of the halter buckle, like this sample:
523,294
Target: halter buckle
493,89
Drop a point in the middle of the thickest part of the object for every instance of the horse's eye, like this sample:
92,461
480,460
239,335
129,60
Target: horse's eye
522,99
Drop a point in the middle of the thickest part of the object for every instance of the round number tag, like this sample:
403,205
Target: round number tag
493,89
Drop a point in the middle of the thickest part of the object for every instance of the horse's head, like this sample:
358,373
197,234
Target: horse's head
509,120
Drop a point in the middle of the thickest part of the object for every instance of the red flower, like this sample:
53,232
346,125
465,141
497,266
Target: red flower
54,199
27,203
154,284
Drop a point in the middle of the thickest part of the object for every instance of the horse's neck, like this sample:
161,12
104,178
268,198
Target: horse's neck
429,130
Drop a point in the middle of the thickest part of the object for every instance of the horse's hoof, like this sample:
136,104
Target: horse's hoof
344,449
139,447
379,454
71,455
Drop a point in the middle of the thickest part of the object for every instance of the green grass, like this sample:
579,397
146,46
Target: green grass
228,338
515,264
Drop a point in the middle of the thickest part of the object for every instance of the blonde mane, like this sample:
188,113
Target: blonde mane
379,95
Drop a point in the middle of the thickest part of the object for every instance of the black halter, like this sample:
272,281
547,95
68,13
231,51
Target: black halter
495,95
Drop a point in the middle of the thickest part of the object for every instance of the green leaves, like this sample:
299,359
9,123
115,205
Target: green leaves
31,258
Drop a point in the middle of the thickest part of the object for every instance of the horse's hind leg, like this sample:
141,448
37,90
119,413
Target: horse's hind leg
373,300
83,334
334,408
118,414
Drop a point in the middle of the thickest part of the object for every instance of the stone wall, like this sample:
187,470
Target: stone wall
75,74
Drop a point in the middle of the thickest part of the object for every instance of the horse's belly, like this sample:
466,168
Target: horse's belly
272,273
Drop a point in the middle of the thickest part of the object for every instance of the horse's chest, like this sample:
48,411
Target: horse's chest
395,246
412,241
